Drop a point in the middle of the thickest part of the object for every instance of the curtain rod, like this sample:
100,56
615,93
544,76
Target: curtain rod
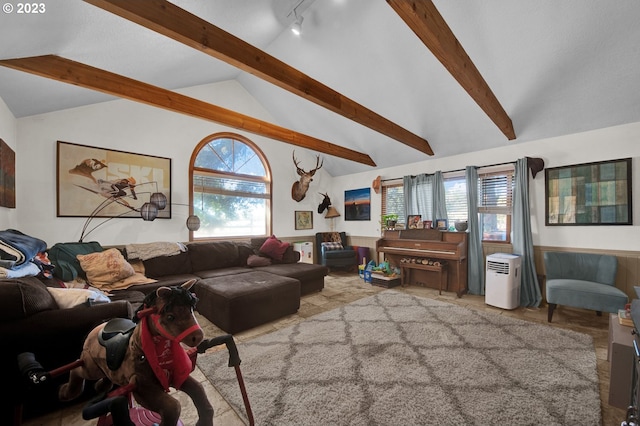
461,170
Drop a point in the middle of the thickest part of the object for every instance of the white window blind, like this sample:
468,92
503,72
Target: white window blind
495,192
455,189
393,199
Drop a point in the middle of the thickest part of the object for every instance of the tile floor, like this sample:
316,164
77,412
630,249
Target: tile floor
344,287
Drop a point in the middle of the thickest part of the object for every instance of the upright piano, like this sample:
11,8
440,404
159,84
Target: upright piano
411,248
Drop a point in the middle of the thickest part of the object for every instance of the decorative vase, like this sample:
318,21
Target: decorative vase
461,226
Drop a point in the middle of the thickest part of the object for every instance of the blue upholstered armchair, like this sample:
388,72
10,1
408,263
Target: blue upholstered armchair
582,280
333,251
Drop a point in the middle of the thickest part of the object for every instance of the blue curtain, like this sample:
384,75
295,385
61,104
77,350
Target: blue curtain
418,194
475,256
522,241
439,202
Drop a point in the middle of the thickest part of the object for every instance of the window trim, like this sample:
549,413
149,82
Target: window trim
268,179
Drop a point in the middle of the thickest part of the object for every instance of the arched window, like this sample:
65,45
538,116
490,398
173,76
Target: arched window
230,188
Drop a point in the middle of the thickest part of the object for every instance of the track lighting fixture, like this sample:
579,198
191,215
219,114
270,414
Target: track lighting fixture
296,27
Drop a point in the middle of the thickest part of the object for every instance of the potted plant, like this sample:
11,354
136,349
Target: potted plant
389,220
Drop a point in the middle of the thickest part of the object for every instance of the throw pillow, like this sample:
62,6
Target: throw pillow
274,248
332,246
105,267
255,260
335,237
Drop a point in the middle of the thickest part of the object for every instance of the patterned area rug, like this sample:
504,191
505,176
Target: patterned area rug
397,359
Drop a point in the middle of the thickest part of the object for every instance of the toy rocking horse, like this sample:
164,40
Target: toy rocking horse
144,359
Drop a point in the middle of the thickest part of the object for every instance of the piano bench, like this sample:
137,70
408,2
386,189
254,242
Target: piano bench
438,267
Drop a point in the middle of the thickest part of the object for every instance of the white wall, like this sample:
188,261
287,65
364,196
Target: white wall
603,144
129,126
134,127
8,217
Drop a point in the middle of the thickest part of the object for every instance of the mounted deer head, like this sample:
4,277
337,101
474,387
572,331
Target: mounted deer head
326,202
299,188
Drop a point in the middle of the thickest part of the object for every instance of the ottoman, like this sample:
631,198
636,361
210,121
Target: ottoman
238,302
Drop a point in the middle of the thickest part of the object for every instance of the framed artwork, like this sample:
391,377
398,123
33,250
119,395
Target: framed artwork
7,176
414,221
86,176
357,204
589,194
304,219
442,224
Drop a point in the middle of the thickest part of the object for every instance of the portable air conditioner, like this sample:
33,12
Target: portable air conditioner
502,287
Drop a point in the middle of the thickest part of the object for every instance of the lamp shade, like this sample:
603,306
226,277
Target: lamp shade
193,223
149,211
159,199
331,212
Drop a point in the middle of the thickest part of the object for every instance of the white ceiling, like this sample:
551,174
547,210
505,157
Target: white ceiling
557,67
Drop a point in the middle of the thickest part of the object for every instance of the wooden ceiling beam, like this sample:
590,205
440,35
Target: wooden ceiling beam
68,71
426,22
178,24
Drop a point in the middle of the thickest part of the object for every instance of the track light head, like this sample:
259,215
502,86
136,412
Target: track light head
296,27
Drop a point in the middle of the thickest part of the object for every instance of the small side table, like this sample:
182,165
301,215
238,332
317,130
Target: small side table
620,357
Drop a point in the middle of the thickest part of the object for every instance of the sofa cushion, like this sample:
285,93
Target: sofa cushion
219,254
211,273
274,248
257,260
22,297
311,276
158,267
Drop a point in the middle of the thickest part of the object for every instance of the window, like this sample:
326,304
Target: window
455,194
393,200
231,188
495,194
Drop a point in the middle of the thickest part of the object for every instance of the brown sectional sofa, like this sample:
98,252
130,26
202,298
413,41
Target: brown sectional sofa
233,295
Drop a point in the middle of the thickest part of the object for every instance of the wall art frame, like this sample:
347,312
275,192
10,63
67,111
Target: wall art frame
86,176
589,194
304,219
7,176
357,204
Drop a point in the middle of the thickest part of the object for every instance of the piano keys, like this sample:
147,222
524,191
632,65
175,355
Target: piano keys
443,246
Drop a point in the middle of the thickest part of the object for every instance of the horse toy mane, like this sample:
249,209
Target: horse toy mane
153,358
178,296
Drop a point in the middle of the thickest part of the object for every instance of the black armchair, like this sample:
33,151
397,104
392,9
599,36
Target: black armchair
334,252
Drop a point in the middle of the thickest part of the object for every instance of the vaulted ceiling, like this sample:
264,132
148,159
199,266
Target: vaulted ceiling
369,83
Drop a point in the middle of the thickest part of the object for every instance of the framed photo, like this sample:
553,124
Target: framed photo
304,219
427,224
442,224
357,204
589,194
87,176
414,221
